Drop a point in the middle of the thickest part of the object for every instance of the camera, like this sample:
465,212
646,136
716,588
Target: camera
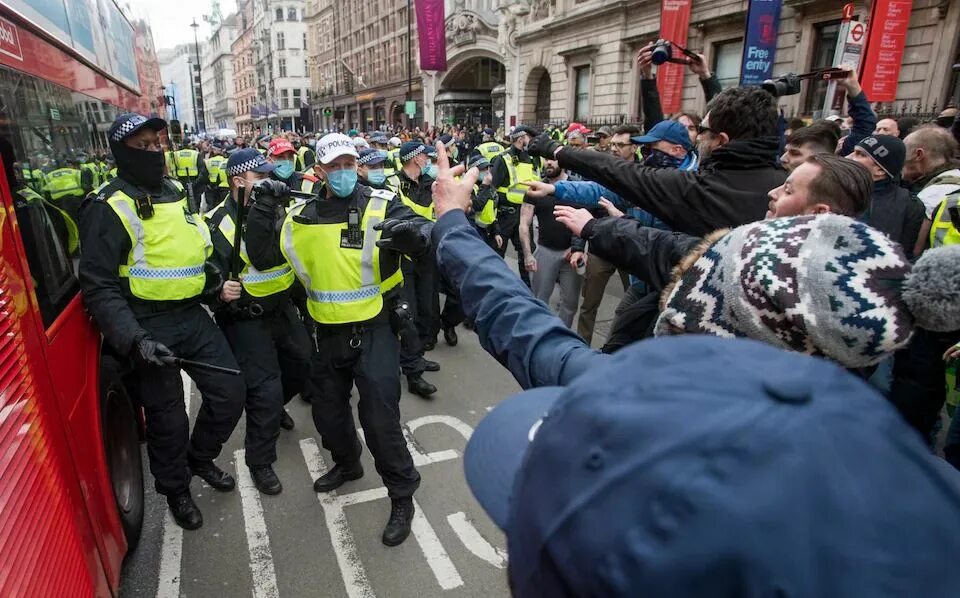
786,85
662,52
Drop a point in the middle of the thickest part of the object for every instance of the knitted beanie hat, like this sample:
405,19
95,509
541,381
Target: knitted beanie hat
822,285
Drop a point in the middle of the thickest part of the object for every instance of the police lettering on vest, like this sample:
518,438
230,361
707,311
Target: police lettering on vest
343,285
167,251
63,182
186,163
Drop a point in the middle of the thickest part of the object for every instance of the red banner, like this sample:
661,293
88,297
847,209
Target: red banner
886,36
674,24
432,35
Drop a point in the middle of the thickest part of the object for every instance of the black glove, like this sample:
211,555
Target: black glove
400,236
271,192
150,352
543,146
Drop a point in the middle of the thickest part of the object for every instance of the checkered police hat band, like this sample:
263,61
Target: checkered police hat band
126,127
372,157
246,166
413,154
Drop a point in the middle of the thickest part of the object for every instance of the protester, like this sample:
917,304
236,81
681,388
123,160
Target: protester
557,253
690,467
893,209
887,126
818,138
738,167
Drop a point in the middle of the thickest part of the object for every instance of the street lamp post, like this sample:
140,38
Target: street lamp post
198,96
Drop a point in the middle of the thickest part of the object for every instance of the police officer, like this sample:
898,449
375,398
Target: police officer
33,177
64,187
90,177
453,151
217,185
345,248
144,271
371,168
306,157
419,276
392,165
485,203
262,325
489,148
282,155
511,169
192,174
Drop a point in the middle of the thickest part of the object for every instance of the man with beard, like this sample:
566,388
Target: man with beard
144,270
738,166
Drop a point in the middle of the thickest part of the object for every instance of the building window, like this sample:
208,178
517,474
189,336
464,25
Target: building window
581,106
283,67
281,42
296,98
284,98
306,68
279,15
825,37
726,62
292,14
304,41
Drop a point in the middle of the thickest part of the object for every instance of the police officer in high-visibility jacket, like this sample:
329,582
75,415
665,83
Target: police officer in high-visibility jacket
511,170
217,185
144,270
64,187
484,213
392,166
305,157
32,177
371,168
489,148
420,279
345,247
192,174
453,152
262,326
282,155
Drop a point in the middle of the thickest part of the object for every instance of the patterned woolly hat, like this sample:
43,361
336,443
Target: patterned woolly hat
822,285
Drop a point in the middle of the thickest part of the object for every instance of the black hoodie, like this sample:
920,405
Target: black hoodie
729,190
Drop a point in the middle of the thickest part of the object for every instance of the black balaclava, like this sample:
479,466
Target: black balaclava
141,167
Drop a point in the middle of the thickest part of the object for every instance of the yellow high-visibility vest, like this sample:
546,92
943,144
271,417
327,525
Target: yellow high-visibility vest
257,283
943,231
520,172
343,285
167,251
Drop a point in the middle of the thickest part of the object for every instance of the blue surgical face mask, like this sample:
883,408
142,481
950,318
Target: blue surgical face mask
431,170
283,168
377,177
342,181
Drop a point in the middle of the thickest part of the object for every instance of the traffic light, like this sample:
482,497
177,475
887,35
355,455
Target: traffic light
327,112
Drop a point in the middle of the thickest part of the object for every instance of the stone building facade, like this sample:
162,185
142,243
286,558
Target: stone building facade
575,59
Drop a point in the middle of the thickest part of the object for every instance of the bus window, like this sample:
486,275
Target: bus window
54,148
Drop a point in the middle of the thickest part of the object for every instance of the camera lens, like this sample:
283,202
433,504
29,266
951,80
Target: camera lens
661,54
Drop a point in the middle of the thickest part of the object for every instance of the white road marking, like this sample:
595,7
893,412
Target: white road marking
344,546
258,540
440,563
419,457
465,430
474,542
171,552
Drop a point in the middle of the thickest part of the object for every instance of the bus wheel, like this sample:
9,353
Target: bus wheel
121,444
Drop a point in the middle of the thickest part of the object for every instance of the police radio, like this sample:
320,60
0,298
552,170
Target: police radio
352,238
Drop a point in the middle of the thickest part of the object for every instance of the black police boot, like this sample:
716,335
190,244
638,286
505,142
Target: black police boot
265,479
286,422
429,366
419,386
213,475
337,477
450,335
430,345
185,511
398,527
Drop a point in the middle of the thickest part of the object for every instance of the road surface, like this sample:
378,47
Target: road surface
299,543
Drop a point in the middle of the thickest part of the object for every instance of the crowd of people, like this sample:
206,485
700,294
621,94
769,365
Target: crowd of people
791,453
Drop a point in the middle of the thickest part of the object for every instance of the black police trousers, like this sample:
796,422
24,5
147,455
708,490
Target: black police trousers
191,334
368,355
509,220
273,351
420,290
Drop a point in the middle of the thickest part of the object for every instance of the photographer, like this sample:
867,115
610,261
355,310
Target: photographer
739,165
652,112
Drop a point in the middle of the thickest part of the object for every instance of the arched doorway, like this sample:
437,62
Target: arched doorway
464,96
542,111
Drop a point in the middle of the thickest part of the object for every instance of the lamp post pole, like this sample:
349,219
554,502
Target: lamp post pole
198,98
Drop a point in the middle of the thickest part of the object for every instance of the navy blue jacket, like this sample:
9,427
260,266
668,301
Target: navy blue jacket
517,329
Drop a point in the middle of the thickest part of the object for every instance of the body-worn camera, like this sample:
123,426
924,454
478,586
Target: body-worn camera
662,52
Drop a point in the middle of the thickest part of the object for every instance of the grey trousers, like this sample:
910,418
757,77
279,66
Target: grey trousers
553,269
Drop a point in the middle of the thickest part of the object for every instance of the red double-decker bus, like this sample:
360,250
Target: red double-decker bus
71,479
